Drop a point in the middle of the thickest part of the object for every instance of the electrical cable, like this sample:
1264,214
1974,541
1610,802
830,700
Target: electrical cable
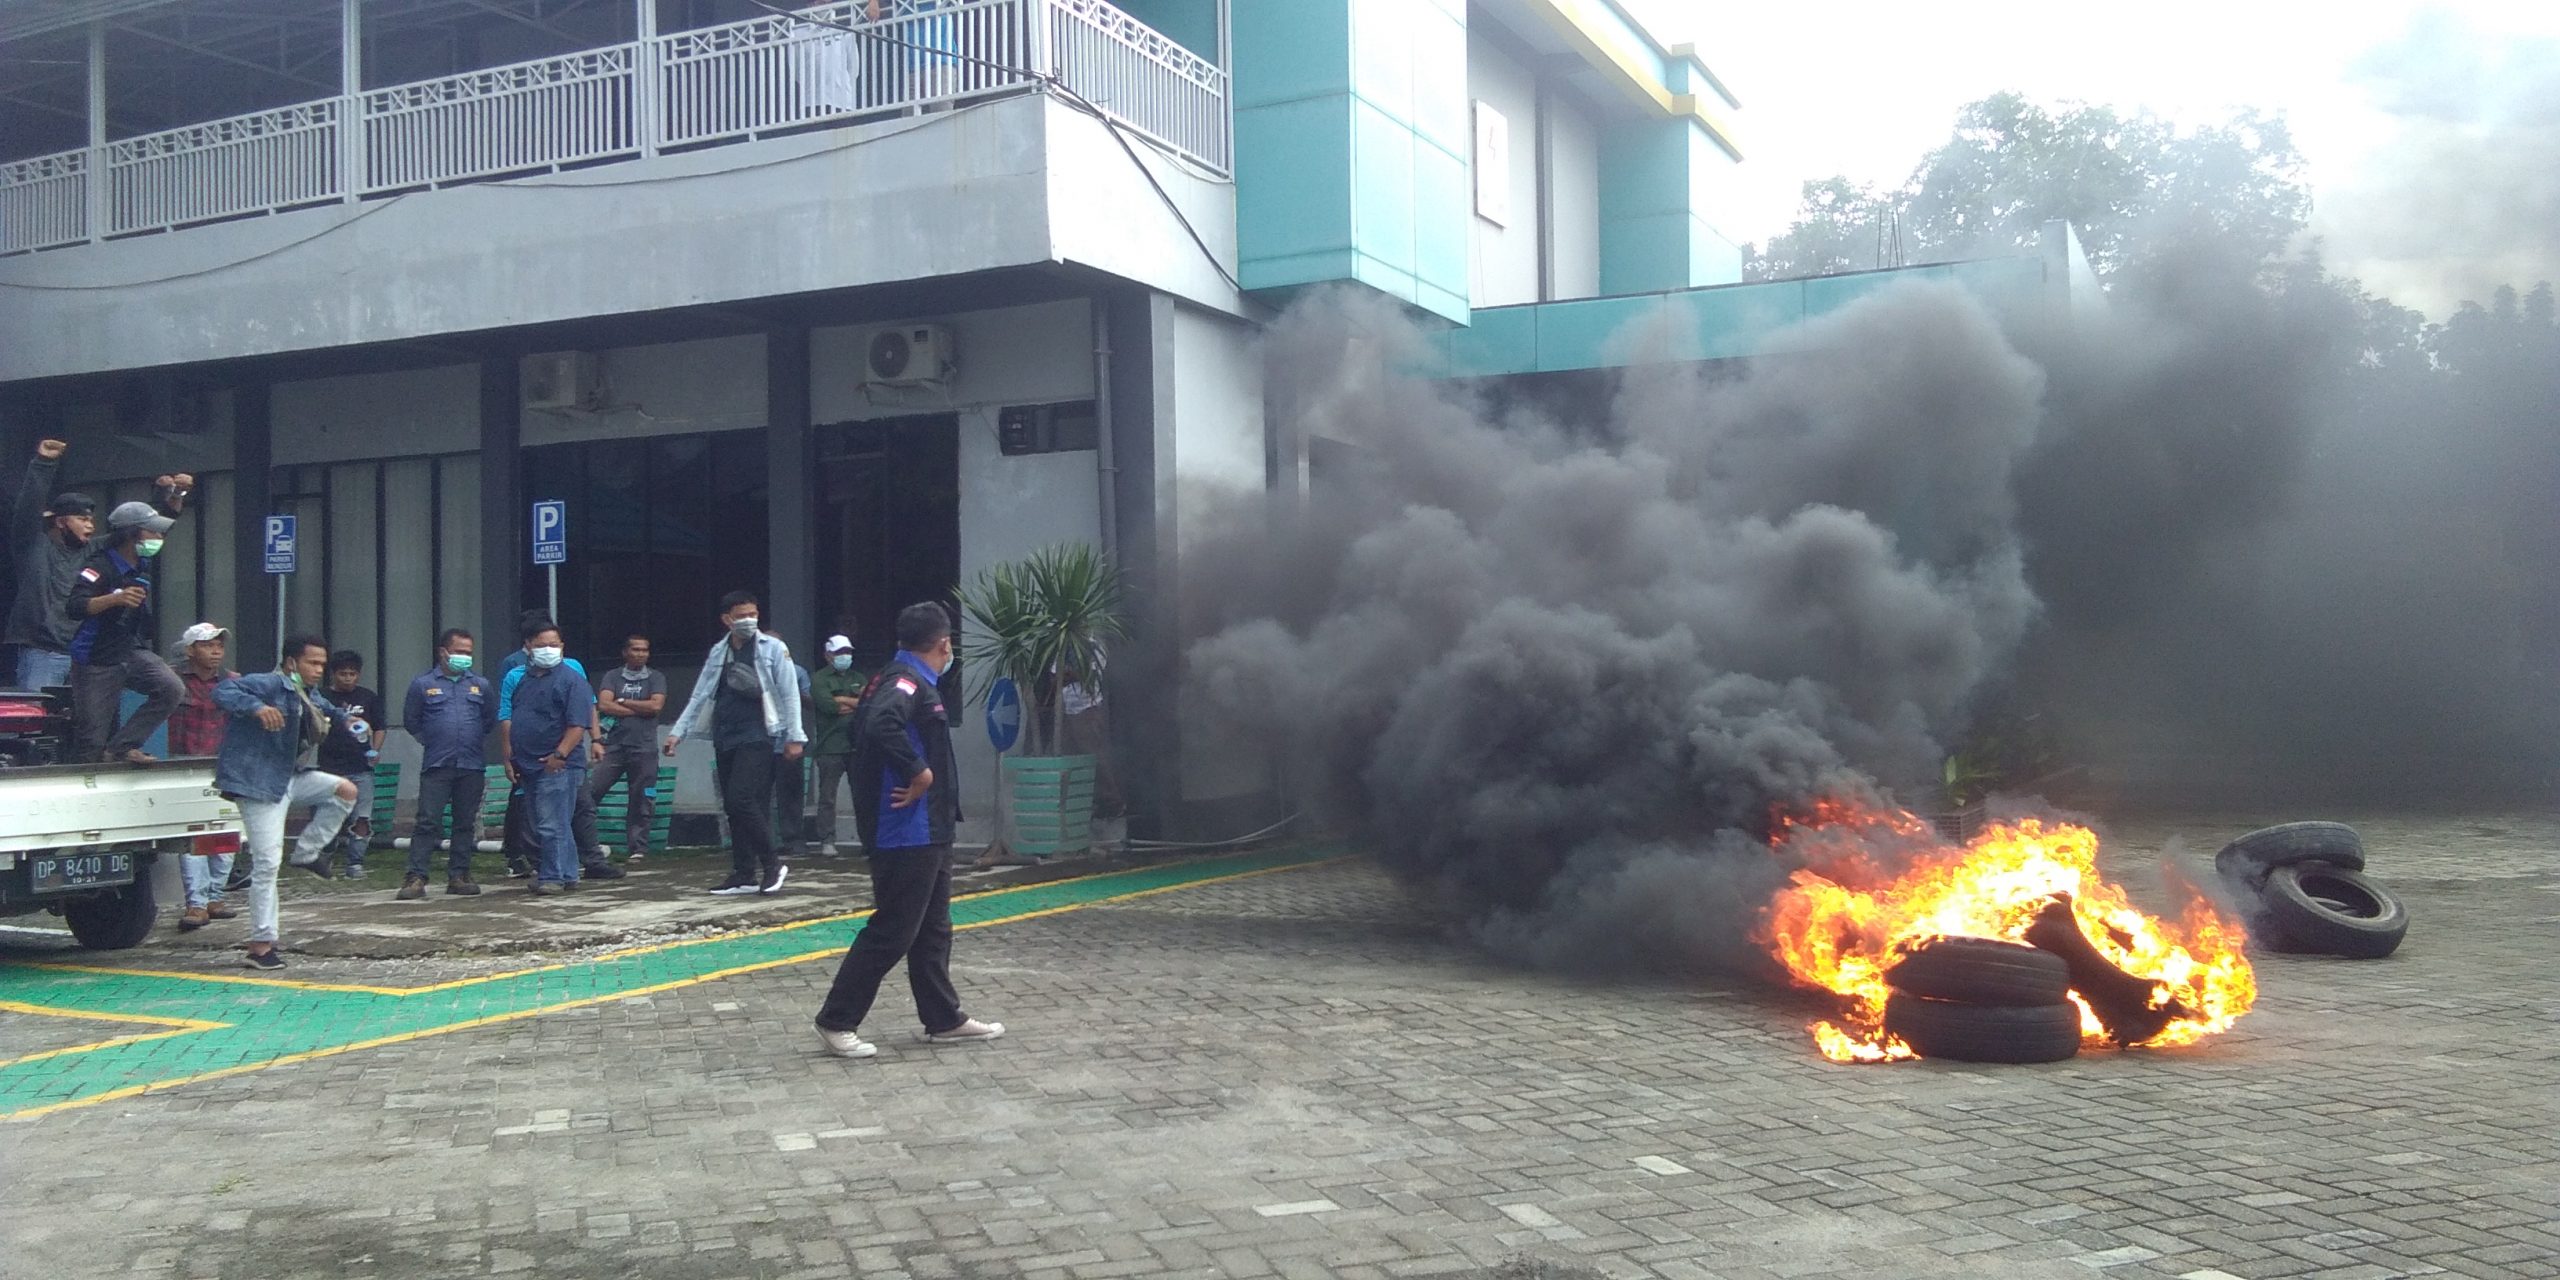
1213,844
368,211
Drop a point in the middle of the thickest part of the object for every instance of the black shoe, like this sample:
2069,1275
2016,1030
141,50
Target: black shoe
267,960
734,886
542,888
317,866
518,870
600,871
239,881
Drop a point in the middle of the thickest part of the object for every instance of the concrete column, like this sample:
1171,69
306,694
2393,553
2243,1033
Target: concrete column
253,619
503,516
1140,331
98,184
644,82
351,162
792,590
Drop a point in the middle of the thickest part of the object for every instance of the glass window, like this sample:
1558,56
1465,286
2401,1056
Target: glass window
457,600
355,568
409,570
213,513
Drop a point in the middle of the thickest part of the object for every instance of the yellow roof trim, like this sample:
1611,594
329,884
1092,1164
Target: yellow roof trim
1643,83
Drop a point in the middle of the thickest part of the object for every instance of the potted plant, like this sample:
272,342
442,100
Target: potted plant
1033,621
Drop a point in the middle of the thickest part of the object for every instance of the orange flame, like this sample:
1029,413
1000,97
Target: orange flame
1845,919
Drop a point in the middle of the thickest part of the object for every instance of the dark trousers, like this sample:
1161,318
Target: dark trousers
746,795
790,800
832,769
97,699
441,788
911,921
635,766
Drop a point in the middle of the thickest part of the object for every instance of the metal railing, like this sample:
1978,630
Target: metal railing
715,85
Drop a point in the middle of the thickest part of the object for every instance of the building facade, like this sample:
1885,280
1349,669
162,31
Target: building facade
840,303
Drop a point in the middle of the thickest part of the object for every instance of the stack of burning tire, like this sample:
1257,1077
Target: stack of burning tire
1983,1000
2306,883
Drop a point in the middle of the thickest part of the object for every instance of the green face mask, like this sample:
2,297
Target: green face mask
149,547
293,677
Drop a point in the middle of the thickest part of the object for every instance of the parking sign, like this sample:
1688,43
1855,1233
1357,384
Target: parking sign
280,555
551,532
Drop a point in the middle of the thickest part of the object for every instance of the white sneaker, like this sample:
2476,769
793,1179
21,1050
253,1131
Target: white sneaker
970,1032
773,883
846,1044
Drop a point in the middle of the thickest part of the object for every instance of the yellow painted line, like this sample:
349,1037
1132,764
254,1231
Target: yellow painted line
406,1037
222,978
176,1027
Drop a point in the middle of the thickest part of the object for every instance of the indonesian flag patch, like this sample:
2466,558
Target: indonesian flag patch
88,575
905,685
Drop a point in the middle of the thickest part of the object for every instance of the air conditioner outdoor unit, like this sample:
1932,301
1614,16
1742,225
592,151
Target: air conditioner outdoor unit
910,355
562,380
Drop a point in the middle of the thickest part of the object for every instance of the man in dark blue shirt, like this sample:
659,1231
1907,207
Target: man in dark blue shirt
450,712
545,739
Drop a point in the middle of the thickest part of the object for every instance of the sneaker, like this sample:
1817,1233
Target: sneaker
542,888
459,887
267,960
846,1044
600,871
829,851
193,918
773,879
317,866
969,1032
239,881
220,910
733,887
519,870
354,870
412,889
636,856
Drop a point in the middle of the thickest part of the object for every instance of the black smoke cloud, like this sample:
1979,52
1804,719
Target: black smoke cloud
1559,674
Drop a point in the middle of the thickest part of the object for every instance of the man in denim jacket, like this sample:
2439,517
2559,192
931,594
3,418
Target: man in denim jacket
276,722
748,700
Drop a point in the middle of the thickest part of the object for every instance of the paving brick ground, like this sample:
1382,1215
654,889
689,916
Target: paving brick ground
1293,1075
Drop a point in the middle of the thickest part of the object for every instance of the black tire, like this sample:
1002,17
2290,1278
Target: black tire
1984,1032
2247,860
2333,911
114,920
1982,971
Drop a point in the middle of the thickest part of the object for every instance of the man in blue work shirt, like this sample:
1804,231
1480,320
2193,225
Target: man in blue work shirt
550,717
450,712
517,840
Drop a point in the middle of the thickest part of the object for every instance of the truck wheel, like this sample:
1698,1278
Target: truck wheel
1984,1032
2330,909
116,920
1981,971
2246,861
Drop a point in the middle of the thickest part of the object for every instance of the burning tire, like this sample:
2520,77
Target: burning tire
1984,1032
2248,860
1981,971
2334,911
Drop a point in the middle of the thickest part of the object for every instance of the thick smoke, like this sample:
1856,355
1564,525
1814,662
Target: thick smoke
1560,674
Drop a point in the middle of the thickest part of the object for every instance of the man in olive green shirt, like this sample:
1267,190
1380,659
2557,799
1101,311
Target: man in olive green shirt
835,689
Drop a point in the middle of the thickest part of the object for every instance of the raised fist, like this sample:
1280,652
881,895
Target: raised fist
50,450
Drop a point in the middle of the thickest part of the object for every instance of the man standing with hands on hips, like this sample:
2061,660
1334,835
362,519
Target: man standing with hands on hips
906,806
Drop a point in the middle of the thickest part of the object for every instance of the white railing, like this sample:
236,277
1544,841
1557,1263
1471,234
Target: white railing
531,115
1142,78
44,201
686,89
768,73
247,164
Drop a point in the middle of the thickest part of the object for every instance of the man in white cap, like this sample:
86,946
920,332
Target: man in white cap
111,651
835,689
195,729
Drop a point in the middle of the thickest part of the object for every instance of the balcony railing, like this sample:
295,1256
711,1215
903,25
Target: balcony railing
683,90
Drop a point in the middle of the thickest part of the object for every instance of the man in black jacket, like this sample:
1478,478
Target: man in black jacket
113,647
49,541
906,805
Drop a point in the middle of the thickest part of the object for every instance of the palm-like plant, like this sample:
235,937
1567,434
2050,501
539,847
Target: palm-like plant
1052,611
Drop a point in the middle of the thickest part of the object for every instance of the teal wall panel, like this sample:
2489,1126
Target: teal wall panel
1293,194
1286,51
1382,203
1193,24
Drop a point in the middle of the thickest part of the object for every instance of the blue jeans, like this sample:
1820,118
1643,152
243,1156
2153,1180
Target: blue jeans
555,812
42,668
204,878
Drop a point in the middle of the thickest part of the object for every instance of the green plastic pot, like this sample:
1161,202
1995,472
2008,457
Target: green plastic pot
1050,803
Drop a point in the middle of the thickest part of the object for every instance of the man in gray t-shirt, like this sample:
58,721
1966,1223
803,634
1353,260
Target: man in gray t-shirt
631,698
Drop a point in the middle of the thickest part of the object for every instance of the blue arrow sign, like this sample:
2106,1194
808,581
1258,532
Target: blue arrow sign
551,532
1004,714
280,553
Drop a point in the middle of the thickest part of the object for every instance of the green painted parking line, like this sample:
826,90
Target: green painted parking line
159,1030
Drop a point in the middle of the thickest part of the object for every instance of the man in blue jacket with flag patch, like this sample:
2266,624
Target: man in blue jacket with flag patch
906,807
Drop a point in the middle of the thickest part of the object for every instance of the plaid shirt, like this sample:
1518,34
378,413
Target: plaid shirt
195,728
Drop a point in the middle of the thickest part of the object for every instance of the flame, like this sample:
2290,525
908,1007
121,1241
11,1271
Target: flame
1875,883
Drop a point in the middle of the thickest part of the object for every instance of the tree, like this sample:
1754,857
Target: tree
2125,182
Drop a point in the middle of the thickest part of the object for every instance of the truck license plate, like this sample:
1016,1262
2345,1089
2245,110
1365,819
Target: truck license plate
61,872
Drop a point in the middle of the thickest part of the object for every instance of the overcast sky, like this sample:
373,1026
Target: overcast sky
2431,130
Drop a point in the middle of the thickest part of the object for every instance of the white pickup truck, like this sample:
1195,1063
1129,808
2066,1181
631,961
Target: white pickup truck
80,840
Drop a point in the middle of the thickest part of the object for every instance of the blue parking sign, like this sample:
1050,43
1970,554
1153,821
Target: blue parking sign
280,546
551,532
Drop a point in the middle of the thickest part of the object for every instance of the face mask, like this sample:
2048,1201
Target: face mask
293,677
149,547
841,662
545,656
742,626
457,663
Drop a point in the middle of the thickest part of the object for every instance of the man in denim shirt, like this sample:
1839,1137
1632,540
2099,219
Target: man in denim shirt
748,699
275,721
450,712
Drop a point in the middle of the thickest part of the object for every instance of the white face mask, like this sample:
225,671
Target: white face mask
742,626
546,657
